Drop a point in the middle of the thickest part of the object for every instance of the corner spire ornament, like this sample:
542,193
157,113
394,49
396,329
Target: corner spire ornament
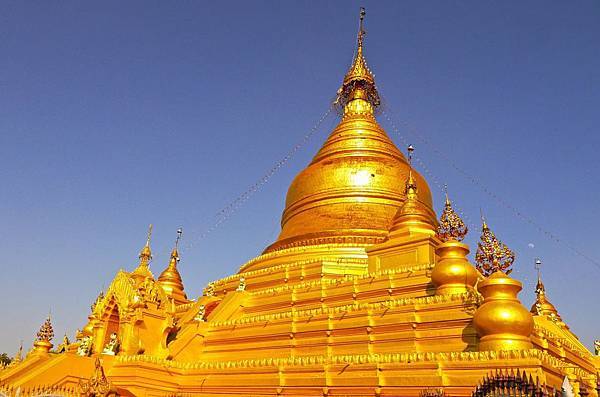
411,185
451,226
170,280
44,337
46,332
492,255
146,253
542,306
413,217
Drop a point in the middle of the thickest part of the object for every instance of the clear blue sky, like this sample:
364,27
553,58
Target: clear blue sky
115,115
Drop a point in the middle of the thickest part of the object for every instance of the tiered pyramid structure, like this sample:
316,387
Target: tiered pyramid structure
364,293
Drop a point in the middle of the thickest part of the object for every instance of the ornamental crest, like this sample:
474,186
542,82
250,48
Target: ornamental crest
492,255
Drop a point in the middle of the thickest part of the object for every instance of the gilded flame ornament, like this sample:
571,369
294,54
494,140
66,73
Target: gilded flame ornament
492,255
46,332
451,226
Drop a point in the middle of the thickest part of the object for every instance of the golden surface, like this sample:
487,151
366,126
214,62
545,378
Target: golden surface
354,185
361,295
170,280
502,322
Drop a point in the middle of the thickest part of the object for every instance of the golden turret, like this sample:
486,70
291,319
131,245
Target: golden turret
350,192
43,340
542,306
143,269
453,273
502,322
170,279
413,217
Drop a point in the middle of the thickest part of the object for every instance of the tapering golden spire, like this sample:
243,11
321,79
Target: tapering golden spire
145,256
411,185
451,226
492,255
19,355
146,253
542,306
170,279
413,216
359,82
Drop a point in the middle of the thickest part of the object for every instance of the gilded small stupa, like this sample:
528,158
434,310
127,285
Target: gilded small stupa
364,293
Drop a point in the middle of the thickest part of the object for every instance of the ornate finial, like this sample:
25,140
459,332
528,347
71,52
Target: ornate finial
46,332
142,271
542,306
492,255
19,355
359,83
64,346
539,288
446,194
361,30
411,185
597,347
179,233
483,223
175,252
149,235
451,226
146,253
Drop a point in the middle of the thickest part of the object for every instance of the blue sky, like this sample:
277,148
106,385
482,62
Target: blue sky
116,115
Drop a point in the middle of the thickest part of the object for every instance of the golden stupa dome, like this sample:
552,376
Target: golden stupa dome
170,279
354,186
542,306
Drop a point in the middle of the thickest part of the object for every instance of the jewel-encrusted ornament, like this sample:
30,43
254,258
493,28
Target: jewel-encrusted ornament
492,255
451,226
46,333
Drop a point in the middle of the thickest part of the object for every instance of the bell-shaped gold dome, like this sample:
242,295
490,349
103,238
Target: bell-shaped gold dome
502,322
354,186
170,280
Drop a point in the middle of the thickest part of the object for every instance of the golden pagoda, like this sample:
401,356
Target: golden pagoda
364,293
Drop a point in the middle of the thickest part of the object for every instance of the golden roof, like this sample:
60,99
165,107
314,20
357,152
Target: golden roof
354,186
